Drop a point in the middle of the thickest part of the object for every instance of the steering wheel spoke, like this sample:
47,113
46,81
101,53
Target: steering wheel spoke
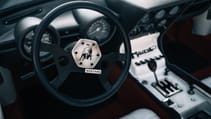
61,58
64,64
63,74
104,77
104,80
54,49
108,63
114,57
58,81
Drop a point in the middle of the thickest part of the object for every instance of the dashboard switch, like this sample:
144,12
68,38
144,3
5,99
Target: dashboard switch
174,10
160,14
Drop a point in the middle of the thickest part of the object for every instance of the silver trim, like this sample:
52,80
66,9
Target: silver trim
172,89
202,91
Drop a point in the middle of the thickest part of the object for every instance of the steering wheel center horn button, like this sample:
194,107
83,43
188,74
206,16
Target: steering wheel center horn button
86,54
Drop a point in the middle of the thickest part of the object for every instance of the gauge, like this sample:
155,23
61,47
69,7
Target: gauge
99,30
174,10
160,14
145,18
47,38
162,23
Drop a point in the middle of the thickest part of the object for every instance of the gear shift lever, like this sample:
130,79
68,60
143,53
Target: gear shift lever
153,67
165,87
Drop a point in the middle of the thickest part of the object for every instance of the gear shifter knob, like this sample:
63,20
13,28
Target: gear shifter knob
153,67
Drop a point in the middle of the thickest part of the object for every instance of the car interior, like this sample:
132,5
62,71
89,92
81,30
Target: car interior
105,59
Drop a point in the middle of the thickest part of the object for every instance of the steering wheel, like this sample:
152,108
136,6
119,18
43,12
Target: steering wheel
85,56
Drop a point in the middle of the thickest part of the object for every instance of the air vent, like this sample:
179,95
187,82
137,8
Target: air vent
16,17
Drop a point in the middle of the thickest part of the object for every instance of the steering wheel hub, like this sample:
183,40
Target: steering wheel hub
86,53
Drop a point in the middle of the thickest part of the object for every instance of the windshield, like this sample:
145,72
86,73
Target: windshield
5,4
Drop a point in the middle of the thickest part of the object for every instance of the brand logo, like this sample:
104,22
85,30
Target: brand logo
86,54
139,53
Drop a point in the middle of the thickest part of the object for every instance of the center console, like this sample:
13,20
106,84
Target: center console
148,65
148,68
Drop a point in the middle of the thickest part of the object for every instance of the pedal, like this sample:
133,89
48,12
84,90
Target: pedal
166,88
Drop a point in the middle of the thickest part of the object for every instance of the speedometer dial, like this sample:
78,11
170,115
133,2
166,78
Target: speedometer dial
99,30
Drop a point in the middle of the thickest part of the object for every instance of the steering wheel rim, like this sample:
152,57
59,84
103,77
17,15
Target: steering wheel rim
36,48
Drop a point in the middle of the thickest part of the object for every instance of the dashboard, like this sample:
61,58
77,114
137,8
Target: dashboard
155,15
139,17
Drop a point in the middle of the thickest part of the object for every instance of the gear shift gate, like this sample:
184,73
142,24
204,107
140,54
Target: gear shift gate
166,88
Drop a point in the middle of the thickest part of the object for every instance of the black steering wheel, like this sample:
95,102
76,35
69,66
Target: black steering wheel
85,56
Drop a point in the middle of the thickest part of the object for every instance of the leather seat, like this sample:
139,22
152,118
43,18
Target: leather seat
141,114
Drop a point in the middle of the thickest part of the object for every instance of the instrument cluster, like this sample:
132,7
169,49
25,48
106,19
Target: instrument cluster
155,20
47,38
99,29
25,33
